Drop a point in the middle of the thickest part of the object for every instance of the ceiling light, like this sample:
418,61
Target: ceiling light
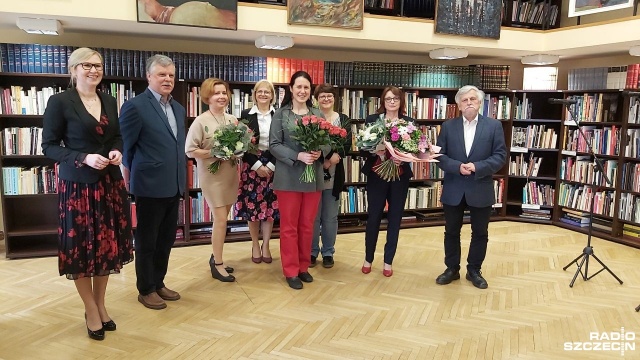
540,59
635,50
448,53
39,26
273,42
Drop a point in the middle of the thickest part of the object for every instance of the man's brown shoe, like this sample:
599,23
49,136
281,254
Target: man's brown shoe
167,294
152,301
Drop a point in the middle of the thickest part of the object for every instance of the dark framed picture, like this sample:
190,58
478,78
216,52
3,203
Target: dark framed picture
586,7
469,18
348,14
218,14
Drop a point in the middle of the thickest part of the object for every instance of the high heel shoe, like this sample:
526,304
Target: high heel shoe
228,269
96,334
216,274
109,326
256,260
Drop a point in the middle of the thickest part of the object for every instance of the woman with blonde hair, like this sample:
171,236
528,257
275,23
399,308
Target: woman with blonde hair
257,202
82,133
220,190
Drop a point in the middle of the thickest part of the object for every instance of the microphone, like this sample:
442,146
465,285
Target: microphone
563,101
631,93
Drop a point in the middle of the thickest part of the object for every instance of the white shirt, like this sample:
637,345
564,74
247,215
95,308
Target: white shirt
264,124
469,132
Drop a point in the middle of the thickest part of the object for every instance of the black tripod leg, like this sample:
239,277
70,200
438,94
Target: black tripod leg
606,268
574,261
579,269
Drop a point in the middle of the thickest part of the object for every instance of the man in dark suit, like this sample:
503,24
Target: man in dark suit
473,149
153,130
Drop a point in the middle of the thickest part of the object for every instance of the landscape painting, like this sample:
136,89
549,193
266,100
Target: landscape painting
479,18
347,14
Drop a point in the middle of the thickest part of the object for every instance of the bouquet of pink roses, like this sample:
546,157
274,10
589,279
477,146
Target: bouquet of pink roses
405,142
311,132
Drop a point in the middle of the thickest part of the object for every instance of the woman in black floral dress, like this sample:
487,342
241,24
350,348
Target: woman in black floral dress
81,132
257,202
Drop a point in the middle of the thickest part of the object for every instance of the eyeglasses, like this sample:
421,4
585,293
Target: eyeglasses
392,99
263,92
88,66
325,97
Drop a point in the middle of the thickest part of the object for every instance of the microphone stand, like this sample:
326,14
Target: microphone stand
587,252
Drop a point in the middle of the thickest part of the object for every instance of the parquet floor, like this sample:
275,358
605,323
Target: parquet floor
528,312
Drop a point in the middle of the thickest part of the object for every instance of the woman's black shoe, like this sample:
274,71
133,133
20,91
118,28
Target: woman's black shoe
109,326
294,282
216,274
97,334
228,269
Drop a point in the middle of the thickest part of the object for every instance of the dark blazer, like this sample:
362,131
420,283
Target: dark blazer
370,158
66,120
154,156
251,159
488,154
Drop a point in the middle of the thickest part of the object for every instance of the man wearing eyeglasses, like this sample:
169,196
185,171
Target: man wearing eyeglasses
153,131
473,149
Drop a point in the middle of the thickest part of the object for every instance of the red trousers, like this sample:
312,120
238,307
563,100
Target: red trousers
297,215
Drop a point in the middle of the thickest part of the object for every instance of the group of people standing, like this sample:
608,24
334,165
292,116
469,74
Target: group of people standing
83,133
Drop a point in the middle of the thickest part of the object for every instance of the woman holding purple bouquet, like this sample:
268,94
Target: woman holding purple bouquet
381,191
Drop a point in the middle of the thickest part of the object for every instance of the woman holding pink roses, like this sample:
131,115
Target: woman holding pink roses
297,199
380,191
220,189
326,223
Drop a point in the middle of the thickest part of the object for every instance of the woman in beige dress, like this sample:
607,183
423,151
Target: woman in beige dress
220,190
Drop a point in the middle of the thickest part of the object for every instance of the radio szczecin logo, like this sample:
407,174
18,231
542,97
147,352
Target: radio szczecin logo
605,341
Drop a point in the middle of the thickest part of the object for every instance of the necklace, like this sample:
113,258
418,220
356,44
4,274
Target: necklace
216,119
89,103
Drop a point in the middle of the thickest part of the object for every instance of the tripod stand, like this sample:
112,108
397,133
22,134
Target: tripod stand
583,259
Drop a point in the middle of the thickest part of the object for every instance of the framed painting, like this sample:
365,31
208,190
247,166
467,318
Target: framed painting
347,14
586,7
479,18
219,14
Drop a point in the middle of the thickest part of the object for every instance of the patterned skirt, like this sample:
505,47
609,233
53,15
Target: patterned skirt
256,199
95,237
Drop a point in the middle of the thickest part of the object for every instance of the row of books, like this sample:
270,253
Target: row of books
604,141
629,207
279,70
22,141
534,13
634,110
520,166
630,177
575,217
523,108
29,181
537,194
540,78
631,230
615,77
201,212
496,107
533,137
582,169
493,76
579,197
25,101
354,199
592,108
632,150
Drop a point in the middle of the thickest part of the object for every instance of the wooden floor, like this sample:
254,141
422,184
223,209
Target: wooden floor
528,312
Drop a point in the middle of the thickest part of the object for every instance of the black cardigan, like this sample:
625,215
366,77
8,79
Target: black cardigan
251,159
339,176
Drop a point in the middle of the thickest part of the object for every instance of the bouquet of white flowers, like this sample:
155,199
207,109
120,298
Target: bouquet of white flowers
370,138
230,142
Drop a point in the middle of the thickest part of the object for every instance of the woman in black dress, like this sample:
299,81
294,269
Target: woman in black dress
81,132
257,202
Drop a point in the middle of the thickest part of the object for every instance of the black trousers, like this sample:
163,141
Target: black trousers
479,235
154,238
378,193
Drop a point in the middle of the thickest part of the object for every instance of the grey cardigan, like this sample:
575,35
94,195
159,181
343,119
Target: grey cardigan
285,150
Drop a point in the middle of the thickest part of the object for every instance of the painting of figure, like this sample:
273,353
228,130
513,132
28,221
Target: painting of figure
333,13
469,17
219,14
